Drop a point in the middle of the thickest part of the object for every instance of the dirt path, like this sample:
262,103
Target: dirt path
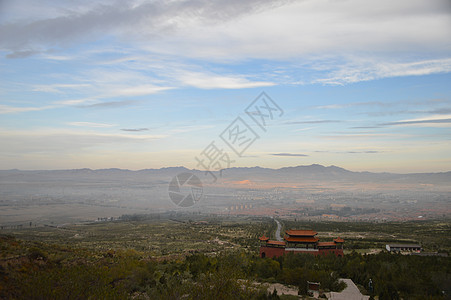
351,292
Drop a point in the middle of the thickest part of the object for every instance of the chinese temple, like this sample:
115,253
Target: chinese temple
300,241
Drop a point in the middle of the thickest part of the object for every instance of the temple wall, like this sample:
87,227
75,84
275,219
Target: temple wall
271,252
337,252
276,252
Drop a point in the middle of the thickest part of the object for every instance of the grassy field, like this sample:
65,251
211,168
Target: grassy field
155,237
207,234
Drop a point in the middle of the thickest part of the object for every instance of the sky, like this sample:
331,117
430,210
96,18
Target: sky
364,85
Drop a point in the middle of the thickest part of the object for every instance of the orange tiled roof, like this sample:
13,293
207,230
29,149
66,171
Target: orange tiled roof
339,240
263,238
305,239
326,244
301,232
276,243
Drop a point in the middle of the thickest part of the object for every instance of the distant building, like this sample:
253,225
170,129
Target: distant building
403,247
300,241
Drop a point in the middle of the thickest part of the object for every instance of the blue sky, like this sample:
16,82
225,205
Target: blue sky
150,84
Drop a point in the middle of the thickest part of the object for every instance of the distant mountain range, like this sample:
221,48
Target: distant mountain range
313,172
84,194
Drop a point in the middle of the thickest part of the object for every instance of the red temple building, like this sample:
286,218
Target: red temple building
300,241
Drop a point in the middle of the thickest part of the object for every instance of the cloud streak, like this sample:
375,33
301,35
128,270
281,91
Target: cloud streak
357,70
135,129
91,124
350,152
315,122
212,81
289,154
419,122
65,141
7,109
109,104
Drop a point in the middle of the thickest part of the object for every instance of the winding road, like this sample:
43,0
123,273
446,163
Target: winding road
279,228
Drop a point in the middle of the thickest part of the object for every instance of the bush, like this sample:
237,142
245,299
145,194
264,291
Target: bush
35,253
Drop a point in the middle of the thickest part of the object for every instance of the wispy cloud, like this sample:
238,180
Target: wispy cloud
58,57
356,70
368,152
64,141
140,90
289,154
109,104
390,108
350,152
380,136
59,88
444,111
314,122
190,128
91,124
72,102
352,104
213,81
365,127
7,109
135,129
21,54
437,121
433,121
303,129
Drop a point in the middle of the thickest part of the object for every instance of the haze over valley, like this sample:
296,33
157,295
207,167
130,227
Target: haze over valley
308,192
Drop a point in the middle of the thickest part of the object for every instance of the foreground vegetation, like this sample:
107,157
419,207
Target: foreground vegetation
53,264
157,237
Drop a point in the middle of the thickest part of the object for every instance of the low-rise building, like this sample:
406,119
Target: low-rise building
300,241
403,247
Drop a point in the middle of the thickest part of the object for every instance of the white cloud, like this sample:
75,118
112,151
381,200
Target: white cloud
246,29
91,124
58,57
76,101
188,128
66,141
358,69
212,81
315,28
343,41
369,136
73,23
430,121
58,88
7,109
139,90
